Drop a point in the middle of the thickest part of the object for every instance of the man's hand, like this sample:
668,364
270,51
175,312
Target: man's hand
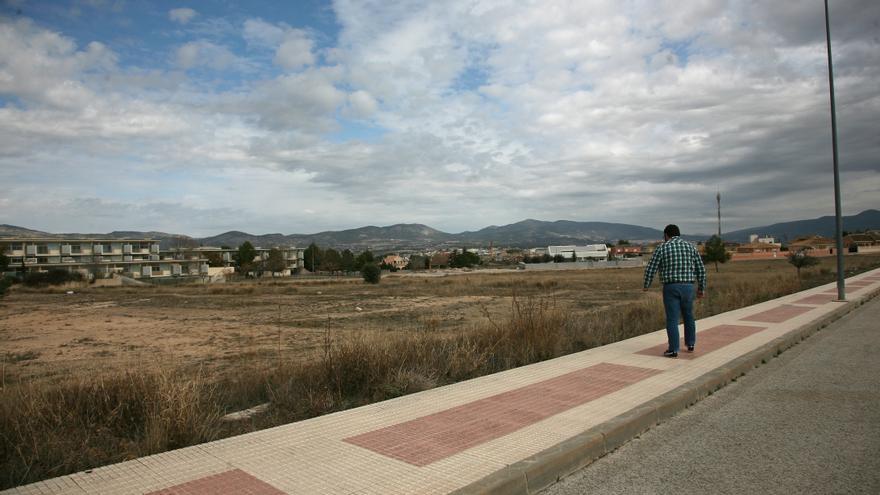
700,293
644,289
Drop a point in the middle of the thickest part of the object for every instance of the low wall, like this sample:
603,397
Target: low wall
868,249
757,256
586,265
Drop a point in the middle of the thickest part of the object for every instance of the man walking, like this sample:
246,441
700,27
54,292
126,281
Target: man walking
680,266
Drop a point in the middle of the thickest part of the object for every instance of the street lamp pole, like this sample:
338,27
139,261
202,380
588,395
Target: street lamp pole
841,291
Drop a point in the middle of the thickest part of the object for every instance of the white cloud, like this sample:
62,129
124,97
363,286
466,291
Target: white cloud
295,51
39,65
182,15
362,104
294,48
263,34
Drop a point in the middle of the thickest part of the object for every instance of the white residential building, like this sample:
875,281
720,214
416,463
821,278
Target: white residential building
590,252
755,238
99,257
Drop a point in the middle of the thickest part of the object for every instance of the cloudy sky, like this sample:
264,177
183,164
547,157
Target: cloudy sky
304,116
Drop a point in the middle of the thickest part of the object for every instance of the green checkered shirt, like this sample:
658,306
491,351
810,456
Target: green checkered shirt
678,262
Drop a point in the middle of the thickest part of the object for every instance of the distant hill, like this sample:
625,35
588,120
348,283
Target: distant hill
530,233
400,236
236,238
166,240
14,231
527,233
824,226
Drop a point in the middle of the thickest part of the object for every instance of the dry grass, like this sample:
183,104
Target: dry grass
52,428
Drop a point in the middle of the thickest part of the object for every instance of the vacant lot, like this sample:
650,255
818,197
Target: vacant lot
44,334
47,333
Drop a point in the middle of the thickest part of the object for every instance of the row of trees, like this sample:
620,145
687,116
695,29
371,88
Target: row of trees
331,260
247,262
5,281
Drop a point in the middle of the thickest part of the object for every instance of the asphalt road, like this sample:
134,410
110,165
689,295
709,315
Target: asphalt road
808,421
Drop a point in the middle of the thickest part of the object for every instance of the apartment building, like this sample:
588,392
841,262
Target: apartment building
294,257
590,252
136,258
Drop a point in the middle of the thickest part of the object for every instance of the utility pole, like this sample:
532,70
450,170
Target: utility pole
718,199
841,291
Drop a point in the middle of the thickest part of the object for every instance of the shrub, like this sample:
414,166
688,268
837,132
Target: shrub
371,273
5,283
800,260
52,277
81,423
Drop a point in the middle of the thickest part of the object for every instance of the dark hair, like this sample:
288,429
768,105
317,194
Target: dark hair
671,230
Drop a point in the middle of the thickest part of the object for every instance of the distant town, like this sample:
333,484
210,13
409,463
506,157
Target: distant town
139,259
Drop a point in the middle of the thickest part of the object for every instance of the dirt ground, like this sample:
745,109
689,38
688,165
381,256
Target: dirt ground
49,333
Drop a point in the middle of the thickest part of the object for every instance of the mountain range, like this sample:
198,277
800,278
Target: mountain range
527,233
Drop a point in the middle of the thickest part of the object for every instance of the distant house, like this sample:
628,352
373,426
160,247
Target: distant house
766,239
440,260
817,245
868,242
395,261
759,247
626,251
756,251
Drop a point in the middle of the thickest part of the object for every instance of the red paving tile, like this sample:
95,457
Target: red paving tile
708,340
235,482
778,314
816,299
848,289
430,438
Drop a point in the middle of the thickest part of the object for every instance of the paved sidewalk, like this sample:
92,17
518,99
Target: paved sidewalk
511,432
806,422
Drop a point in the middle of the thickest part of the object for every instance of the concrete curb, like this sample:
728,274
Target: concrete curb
549,466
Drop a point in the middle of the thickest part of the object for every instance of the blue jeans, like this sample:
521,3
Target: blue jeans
678,299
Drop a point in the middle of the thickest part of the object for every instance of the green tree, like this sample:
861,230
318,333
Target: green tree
363,258
332,261
800,260
312,257
558,258
214,259
348,262
244,258
4,260
275,262
5,281
715,252
623,242
574,256
463,259
371,273
418,262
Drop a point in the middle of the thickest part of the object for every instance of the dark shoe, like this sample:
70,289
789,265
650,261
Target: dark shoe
690,348
670,354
